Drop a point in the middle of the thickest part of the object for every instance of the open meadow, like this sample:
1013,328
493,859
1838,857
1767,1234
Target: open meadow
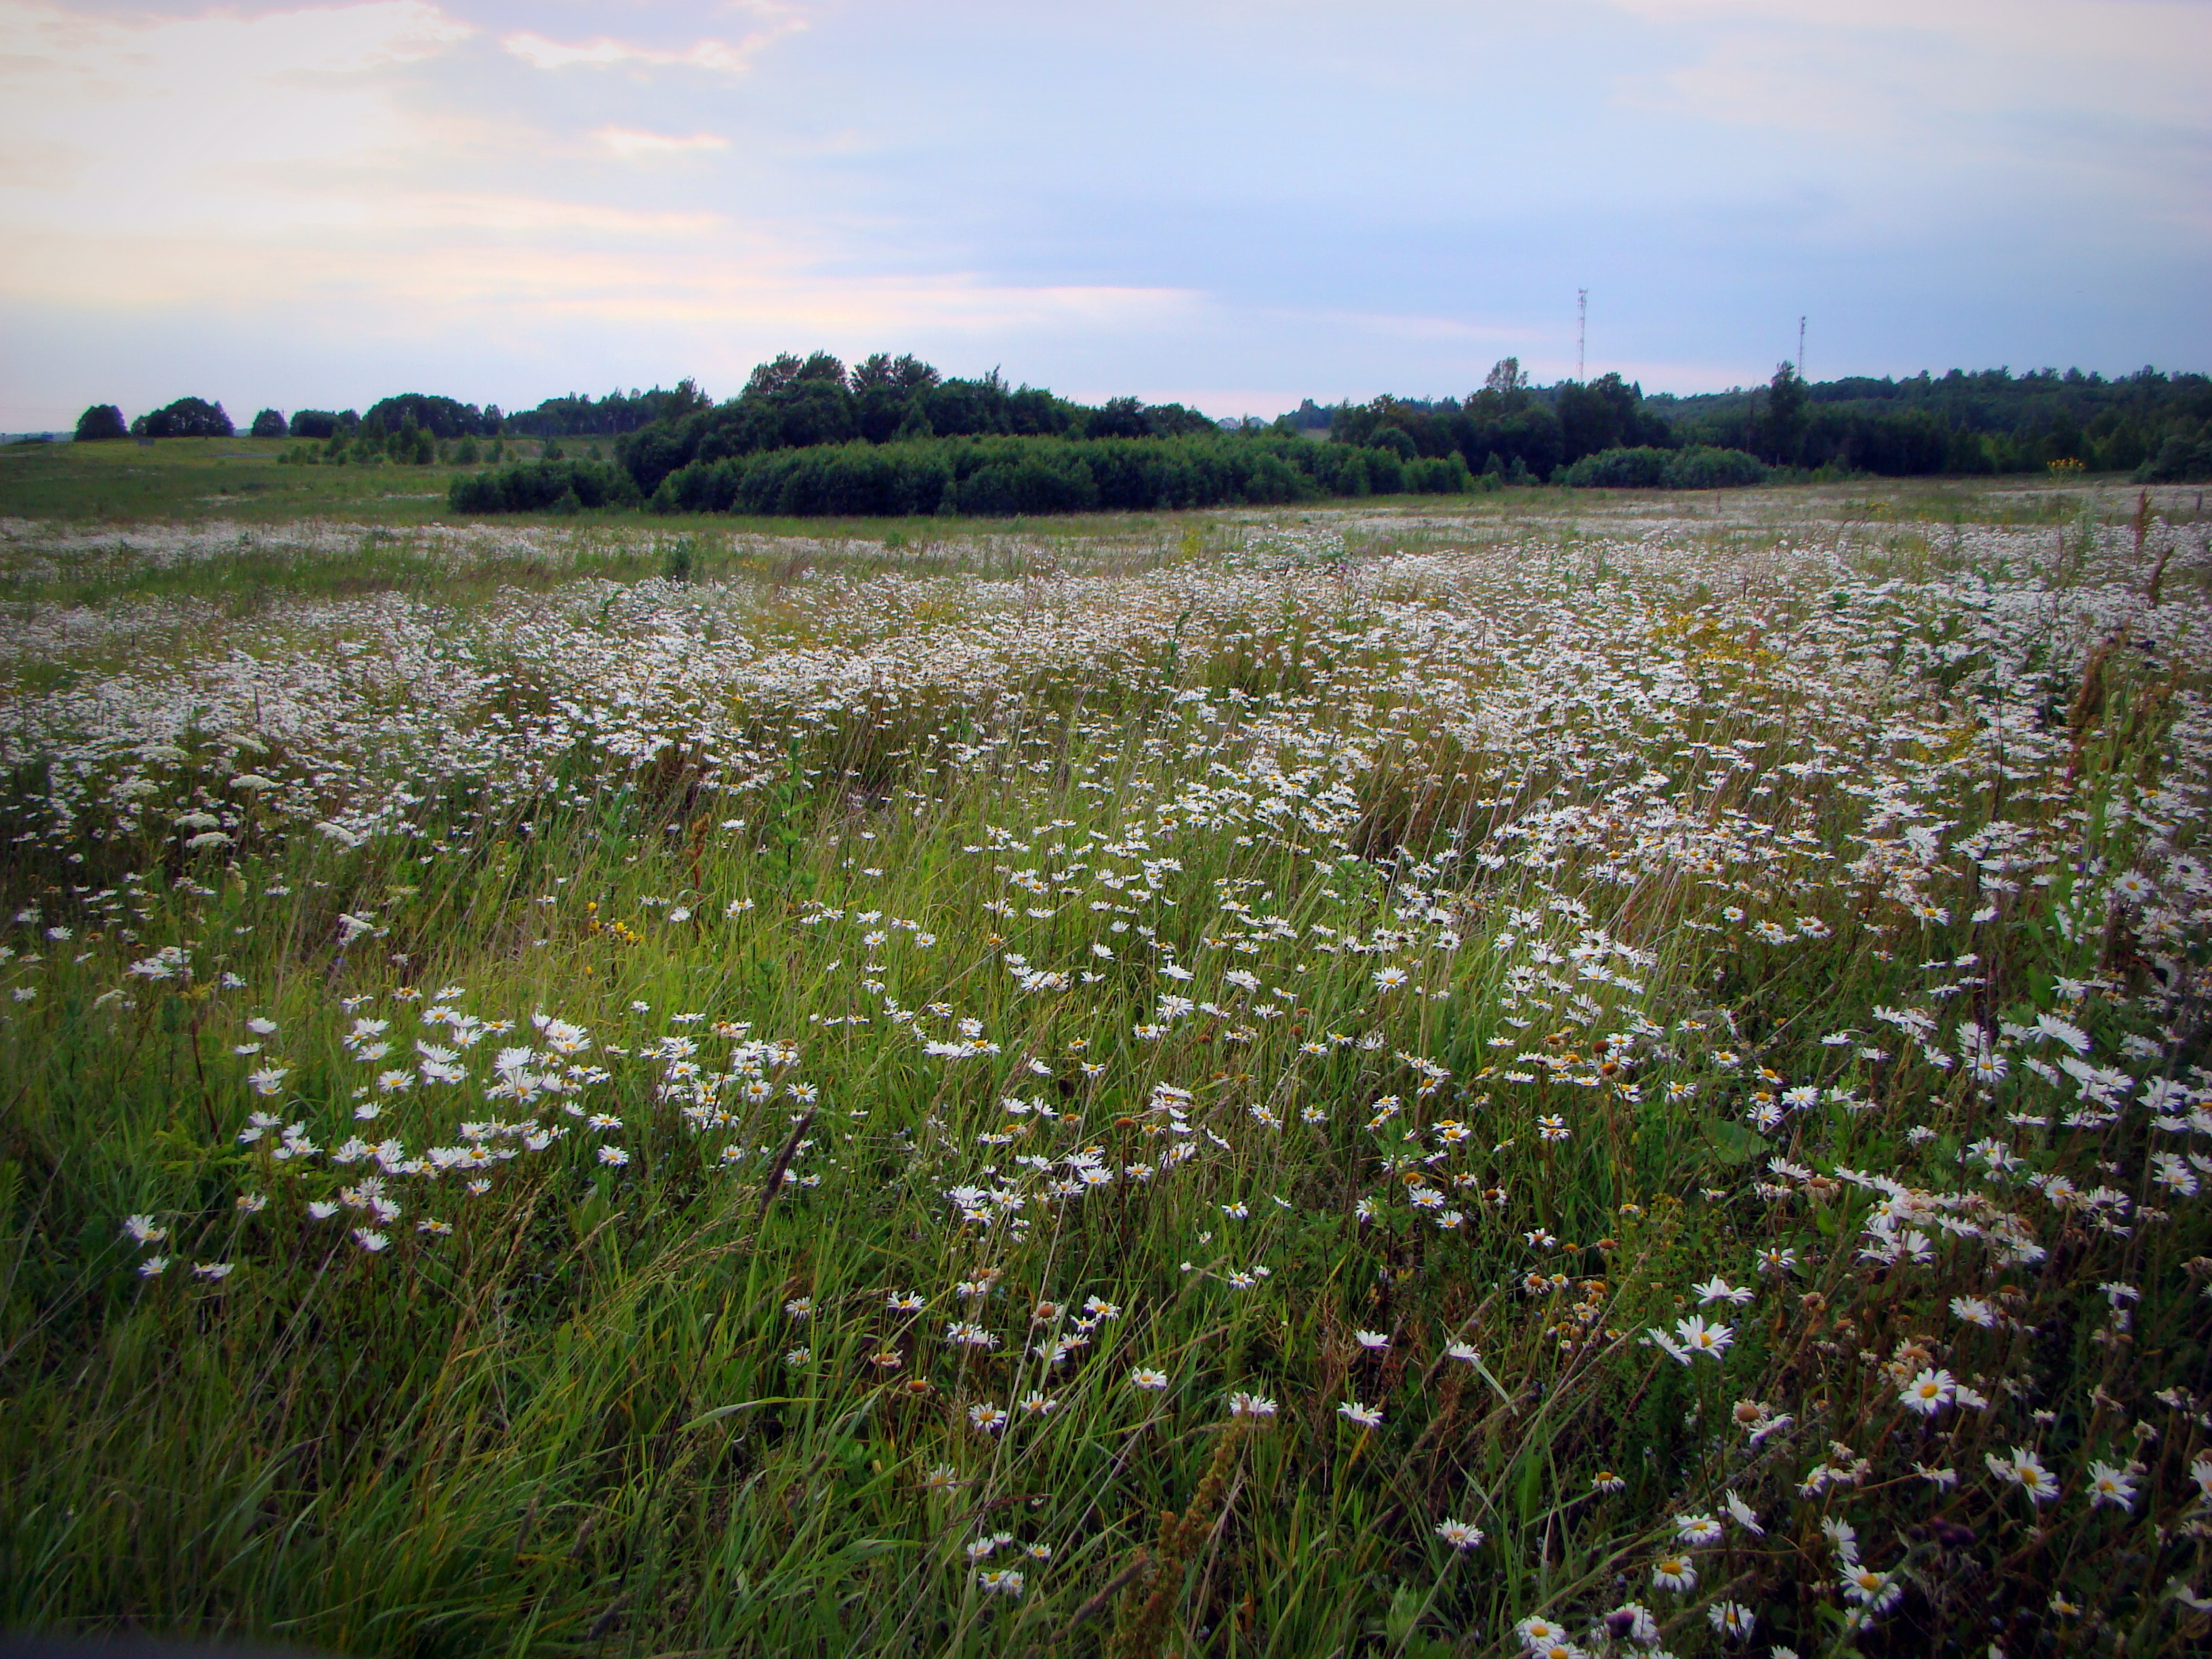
237,481
1565,1073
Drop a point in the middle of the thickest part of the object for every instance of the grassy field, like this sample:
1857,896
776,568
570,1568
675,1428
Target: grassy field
241,480
195,478
1555,1073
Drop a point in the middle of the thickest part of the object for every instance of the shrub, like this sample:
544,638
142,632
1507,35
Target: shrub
1618,469
1034,483
1440,475
547,486
100,423
1704,467
1647,468
2179,461
1003,476
1394,439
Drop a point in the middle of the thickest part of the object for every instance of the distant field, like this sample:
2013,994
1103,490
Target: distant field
195,480
190,478
1561,1072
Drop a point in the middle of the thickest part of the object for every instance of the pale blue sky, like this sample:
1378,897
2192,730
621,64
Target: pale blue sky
1224,202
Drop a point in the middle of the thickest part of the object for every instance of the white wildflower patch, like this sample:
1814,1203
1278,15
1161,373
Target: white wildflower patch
1689,1028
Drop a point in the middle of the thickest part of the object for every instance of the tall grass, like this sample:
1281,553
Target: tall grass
1624,901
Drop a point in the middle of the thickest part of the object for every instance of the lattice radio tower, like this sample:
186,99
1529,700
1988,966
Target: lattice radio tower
1801,348
1582,330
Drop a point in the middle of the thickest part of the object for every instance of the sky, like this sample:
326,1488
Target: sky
1232,203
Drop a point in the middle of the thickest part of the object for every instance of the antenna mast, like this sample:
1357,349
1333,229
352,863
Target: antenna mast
1582,330
1801,348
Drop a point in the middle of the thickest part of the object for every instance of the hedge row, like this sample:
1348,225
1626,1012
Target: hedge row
1699,468
543,486
990,477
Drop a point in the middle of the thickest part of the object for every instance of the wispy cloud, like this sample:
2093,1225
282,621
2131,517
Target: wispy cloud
633,145
1325,204
604,51
160,118
49,42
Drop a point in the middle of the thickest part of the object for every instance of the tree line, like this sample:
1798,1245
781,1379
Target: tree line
1602,433
794,403
1962,423
445,419
2155,425
1509,429
187,417
995,475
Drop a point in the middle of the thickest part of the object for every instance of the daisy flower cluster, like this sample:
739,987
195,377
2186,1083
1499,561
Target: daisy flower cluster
1064,1083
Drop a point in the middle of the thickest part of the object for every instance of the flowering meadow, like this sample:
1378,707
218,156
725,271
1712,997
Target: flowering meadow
1556,1078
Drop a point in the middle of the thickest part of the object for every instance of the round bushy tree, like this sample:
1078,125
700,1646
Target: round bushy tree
187,417
269,423
100,422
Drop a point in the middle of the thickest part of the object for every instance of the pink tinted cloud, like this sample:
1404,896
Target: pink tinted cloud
604,51
631,144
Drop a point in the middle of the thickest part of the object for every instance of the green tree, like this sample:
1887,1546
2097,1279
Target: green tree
904,375
771,377
814,408
1782,424
886,395
187,417
100,423
269,423
1601,415
965,407
1117,417
443,416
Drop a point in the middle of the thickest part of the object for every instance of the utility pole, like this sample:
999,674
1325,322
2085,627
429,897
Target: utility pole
1801,348
1582,330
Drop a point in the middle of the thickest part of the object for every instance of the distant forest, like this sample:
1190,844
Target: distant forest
1957,423
897,436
